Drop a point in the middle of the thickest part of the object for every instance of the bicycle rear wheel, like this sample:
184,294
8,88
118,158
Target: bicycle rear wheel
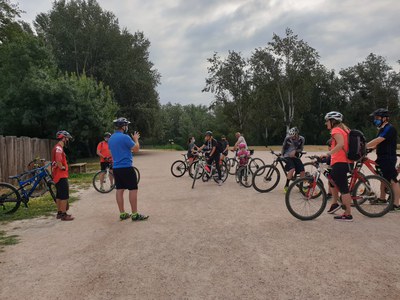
367,199
245,176
104,182
224,173
266,178
255,164
307,202
10,199
178,168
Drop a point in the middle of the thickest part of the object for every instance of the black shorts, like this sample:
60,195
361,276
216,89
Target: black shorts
104,165
388,169
62,187
339,175
294,163
125,179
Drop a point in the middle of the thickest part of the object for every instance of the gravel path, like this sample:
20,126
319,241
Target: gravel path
212,242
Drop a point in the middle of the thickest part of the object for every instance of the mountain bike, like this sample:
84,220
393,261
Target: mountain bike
180,167
201,172
255,163
11,196
266,178
310,201
108,183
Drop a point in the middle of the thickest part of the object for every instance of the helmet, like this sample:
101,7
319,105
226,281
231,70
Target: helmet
242,145
107,134
380,112
293,131
121,122
335,115
62,134
209,133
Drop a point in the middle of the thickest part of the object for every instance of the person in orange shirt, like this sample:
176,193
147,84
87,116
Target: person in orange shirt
60,174
105,159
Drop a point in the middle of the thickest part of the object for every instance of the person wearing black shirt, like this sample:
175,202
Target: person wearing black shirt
225,146
385,144
214,156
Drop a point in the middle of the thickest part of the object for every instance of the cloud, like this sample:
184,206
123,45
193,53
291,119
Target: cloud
184,33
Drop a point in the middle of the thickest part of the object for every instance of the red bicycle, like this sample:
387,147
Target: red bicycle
372,195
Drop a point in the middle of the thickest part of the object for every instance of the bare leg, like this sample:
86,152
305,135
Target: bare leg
302,174
396,191
63,205
290,174
101,179
335,194
58,204
346,198
120,200
133,200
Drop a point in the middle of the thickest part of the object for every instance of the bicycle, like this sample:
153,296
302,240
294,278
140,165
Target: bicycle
266,178
254,163
365,190
201,172
180,167
244,175
108,180
11,197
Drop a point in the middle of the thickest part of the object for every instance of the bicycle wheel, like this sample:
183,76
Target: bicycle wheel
192,171
309,168
137,174
367,196
308,202
266,178
108,183
232,166
224,173
245,177
198,173
10,199
178,168
255,164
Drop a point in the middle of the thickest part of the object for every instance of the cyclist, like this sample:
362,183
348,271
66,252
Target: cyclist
122,146
243,155
105,159
191,150
240,139
340,164
291,149
385,144
225,146
214,156
60,174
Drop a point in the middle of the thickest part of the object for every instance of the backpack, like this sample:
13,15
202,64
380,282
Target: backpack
220,147
357,145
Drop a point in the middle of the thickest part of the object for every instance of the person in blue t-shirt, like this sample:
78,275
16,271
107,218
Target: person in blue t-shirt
385,144
121,146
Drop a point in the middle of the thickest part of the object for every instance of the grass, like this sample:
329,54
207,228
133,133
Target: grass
7,240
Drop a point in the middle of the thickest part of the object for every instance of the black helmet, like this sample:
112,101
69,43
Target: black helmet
380,112
62,134
121,122
107,134
209,133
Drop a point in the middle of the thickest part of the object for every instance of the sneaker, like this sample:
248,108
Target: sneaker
285,189
395,208
345,218
66,217
139,217
59,215
378,201
124,216
334,208
219,182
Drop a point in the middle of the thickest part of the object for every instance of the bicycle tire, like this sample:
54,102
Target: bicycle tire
178,168
255,164
224,173
10,199
309,168
192,171
196,172
265,175
245,176
304,199
232,166
97,185
370,187
137,174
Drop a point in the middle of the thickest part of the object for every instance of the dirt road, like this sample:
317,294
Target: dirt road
212,242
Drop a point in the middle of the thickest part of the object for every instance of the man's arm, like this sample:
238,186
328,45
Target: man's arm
375,142
98,152
135,138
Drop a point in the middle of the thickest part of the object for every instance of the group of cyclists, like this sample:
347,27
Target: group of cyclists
385,145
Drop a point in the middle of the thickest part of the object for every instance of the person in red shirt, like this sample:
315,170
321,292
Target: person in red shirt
105,159
60,174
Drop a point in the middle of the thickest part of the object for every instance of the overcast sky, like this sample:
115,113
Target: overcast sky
184,33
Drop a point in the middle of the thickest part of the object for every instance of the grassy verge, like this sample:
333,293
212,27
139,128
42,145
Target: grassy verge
6,240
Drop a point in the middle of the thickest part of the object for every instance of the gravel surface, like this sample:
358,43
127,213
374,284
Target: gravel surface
212,242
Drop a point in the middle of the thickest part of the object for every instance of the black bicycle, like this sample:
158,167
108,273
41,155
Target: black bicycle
266,178
104,182
180,167
11,197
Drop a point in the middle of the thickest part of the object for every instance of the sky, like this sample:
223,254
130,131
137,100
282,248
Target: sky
184,33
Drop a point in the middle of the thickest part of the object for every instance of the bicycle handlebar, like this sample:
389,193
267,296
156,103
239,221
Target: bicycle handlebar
31,171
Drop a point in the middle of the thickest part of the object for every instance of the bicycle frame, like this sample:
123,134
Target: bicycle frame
279,160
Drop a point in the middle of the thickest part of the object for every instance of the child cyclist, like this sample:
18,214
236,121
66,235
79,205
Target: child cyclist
243,155
340,164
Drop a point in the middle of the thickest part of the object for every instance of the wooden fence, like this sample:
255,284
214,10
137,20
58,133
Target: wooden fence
17,152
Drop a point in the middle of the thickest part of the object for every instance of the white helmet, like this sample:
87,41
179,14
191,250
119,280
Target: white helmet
293,131
334,115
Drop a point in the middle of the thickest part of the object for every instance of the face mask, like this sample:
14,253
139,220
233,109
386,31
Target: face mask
377,123
193,140
126,129
106,139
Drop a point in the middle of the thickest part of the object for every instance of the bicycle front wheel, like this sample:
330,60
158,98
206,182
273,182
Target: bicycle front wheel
198,172
104,182
178,168
10,199
245,177
306,198
255,164
232,166
266,178
368,198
